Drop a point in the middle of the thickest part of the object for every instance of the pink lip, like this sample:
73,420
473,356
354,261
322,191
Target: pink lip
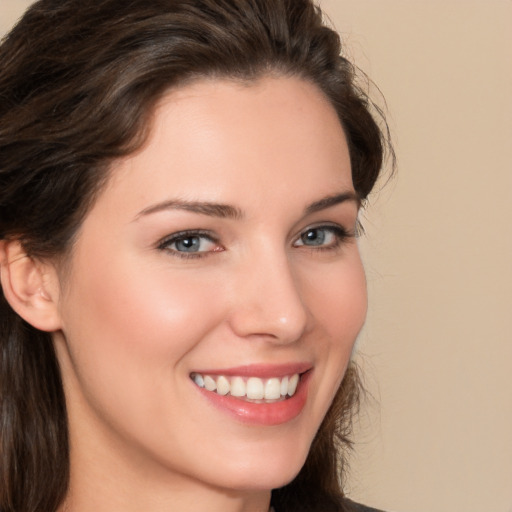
267,414
263,371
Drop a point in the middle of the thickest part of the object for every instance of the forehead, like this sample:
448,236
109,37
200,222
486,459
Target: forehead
219,139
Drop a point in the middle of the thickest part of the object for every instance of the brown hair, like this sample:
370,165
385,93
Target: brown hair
78,83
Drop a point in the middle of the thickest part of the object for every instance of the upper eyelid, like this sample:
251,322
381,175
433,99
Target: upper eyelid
189,232
326,225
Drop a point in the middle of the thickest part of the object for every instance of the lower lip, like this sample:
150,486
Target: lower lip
267,414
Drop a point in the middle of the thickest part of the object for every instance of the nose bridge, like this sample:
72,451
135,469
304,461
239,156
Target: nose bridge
268,297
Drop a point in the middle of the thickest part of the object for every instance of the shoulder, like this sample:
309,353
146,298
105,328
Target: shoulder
351,506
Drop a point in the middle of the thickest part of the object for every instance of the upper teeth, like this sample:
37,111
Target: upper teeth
253,388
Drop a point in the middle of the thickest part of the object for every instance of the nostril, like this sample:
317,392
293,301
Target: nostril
263,325
267,302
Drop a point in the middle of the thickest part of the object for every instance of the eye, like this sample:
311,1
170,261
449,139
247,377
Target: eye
322,237
189,244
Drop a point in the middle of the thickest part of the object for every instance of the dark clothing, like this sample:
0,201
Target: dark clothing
356,507
328,505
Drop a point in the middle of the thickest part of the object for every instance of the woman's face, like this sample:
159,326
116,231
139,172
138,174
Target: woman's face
221,254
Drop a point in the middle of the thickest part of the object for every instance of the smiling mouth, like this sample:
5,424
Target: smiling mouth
251,389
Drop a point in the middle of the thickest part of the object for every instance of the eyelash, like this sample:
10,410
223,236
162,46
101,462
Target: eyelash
165,244
340,235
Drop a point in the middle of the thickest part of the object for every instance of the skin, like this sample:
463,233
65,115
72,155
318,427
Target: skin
136,318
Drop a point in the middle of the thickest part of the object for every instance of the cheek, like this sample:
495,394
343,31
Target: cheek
123,325
129,336
340,306
340,303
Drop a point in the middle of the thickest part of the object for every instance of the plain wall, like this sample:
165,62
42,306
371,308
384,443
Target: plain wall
437,348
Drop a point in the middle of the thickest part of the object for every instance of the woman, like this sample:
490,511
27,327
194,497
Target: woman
180,182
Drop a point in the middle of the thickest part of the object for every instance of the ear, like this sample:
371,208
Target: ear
30,286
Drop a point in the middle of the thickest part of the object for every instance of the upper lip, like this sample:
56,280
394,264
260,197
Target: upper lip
263,371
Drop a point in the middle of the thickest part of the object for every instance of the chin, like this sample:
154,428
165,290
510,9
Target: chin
269,469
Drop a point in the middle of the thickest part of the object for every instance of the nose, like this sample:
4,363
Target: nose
268,302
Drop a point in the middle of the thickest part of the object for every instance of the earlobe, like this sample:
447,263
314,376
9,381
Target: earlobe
30,286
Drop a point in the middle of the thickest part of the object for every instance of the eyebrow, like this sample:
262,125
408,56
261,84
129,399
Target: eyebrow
333,200
226,211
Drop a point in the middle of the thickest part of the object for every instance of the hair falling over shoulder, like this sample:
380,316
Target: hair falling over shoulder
78,83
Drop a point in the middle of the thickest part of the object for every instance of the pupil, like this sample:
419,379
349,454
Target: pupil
313,237
189,244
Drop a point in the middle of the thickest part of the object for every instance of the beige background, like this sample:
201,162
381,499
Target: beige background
437,347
